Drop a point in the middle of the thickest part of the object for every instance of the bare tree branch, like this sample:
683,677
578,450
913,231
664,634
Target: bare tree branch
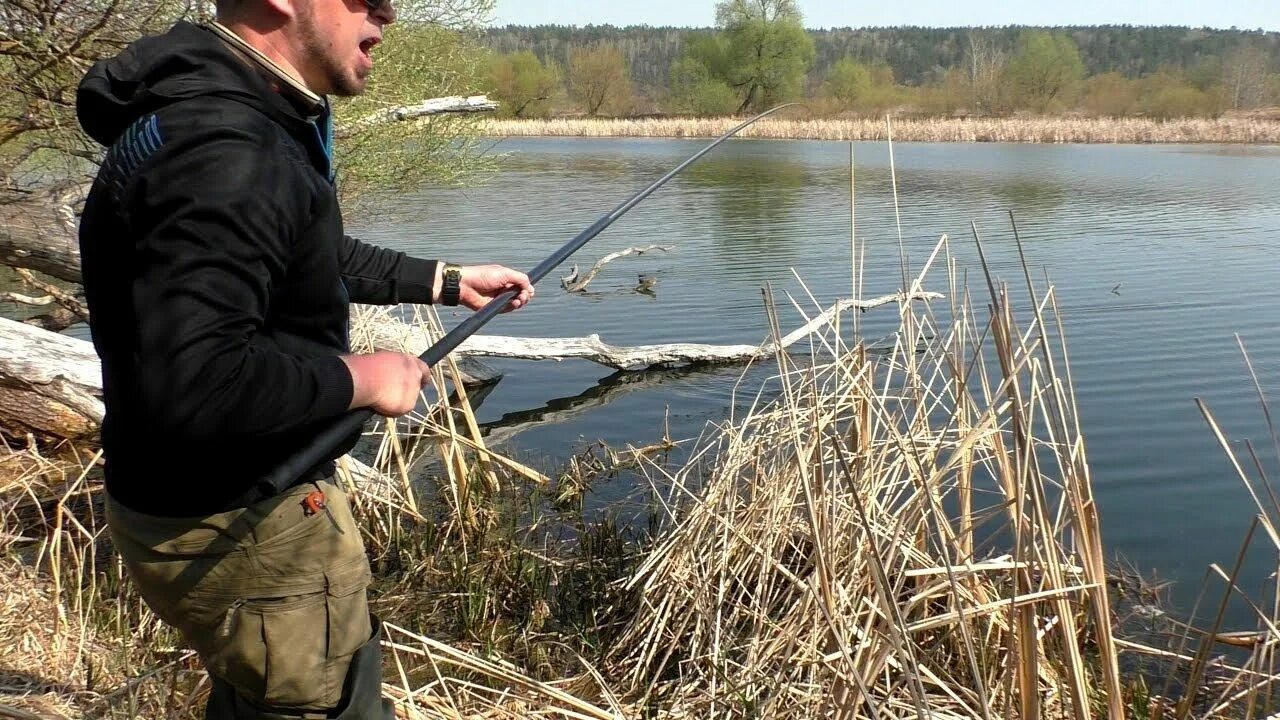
434,106
573,283
21,299
69,302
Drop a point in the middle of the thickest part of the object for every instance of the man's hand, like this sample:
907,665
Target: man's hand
482,283
387,383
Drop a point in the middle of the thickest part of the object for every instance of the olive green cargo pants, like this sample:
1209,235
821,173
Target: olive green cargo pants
272,598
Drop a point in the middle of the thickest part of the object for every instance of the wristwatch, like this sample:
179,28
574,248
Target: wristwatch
451,290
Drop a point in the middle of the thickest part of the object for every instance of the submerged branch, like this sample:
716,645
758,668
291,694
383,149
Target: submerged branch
573,283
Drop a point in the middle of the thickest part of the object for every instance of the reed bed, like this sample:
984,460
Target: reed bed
966,130
908,534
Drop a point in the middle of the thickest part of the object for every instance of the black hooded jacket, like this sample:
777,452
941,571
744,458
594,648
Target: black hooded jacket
217,272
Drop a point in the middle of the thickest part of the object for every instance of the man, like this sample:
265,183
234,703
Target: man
219,277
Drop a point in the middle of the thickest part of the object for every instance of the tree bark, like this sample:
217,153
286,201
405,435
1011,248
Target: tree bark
387,332
38,232
50,384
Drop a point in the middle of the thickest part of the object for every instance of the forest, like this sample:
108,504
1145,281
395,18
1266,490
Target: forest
1101,71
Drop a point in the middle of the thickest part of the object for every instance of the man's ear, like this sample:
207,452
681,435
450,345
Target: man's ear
284,8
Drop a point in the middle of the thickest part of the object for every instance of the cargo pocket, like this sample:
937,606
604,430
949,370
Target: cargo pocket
294,633
348,609
229,640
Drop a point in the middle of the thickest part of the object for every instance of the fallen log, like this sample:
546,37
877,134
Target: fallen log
434,106
38,231
392,333
51,384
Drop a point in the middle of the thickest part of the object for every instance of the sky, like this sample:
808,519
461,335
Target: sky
1244,14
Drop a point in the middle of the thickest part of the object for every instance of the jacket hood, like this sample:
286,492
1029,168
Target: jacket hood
187,61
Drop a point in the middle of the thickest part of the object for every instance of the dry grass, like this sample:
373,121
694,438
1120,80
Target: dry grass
850,555
1021,130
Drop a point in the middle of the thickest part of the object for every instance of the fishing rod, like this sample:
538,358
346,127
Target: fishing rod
326,441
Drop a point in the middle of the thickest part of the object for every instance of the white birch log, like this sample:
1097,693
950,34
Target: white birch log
50,384
434,106
385,331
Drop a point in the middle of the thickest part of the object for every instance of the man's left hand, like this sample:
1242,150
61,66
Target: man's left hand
482,283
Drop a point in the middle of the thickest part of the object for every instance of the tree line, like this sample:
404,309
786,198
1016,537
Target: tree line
760,53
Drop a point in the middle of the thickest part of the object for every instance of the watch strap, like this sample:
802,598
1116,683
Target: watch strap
451,288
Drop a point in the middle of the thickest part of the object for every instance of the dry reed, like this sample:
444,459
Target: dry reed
966,130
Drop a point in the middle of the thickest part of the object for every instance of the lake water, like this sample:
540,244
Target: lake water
1160,255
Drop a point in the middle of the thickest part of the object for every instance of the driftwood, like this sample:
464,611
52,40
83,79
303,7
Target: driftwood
50,384
38,232
434,106
388,332
573,283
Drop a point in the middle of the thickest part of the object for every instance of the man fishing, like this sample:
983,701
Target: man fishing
219,277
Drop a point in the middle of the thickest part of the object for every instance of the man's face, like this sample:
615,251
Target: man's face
338,37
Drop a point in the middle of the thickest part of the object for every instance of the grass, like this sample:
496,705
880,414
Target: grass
886,532
968,130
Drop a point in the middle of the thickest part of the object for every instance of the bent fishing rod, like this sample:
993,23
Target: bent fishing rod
330,438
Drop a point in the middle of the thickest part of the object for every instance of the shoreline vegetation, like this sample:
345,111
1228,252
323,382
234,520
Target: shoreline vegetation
898,531
1256,129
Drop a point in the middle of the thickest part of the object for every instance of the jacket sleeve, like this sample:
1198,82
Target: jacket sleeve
213,226
378,276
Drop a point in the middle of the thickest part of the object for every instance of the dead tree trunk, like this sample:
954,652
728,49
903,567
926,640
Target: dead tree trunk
38,232
50,384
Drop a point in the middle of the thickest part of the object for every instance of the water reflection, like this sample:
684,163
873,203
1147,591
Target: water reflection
758,191
1031,197
565,409
754,198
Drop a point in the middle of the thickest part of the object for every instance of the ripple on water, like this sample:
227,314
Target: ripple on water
1188,234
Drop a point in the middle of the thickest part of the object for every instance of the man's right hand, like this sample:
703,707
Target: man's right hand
387,383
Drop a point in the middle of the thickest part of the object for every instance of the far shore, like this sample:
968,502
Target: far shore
1228,129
